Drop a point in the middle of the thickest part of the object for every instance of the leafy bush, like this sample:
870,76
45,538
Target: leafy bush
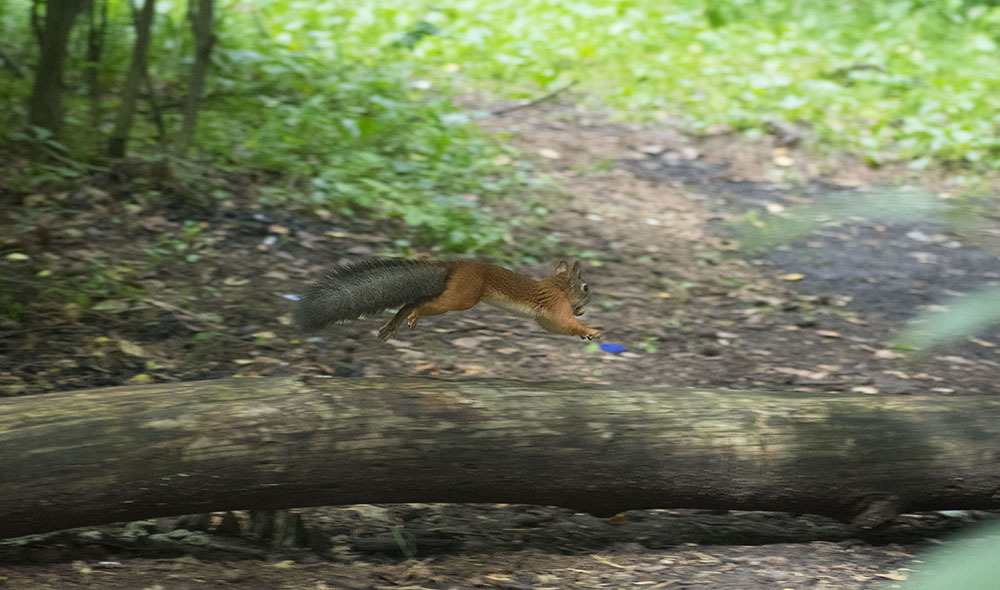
351,101
346,133
899,79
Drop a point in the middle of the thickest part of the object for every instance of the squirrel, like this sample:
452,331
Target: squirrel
427,287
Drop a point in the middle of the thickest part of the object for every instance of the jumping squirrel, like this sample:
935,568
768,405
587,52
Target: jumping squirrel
426,287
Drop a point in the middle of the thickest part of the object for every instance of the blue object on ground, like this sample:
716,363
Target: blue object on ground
613,348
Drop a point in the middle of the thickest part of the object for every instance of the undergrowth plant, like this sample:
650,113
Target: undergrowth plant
352,102
918,81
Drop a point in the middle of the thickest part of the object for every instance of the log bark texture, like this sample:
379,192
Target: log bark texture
106,455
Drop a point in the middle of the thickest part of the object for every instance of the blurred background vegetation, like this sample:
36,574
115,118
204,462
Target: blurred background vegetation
364,108
351,102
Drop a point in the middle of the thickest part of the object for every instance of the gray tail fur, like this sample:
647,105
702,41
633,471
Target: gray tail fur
347,292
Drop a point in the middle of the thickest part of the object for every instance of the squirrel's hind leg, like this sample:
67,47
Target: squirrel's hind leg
392,325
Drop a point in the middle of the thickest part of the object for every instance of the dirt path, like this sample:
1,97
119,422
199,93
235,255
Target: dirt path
644,217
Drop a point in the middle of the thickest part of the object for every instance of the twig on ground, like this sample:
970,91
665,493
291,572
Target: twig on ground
539,100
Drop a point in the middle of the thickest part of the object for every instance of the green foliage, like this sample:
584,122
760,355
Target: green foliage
353,138
960,317
351,101
758,231
348,132
188,246
969,563
101,282
898,79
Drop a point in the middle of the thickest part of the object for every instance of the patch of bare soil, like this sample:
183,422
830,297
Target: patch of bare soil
644,216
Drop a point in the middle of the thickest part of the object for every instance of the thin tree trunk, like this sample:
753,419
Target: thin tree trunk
133,82
37,26
155,113
204,39
98,16
45,103
115,454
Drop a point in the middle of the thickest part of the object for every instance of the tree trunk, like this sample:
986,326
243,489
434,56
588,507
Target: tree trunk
136,74
201,27
45,103
98,26
108,455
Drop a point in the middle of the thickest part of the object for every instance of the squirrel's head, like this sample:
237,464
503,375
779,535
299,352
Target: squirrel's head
578,291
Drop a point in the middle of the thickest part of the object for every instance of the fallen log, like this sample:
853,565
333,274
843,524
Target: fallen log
108,455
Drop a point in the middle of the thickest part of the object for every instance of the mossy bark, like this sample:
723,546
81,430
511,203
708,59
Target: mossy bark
115,454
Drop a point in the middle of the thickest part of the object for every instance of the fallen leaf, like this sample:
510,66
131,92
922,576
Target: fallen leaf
278,229
885,353
792,276
140,379
467,342
981,342
112,306
828,334
955,359
608,562
17,257
426,368
549,153
268,360
806,374
131,348
664,295
864,389
472,369
897,575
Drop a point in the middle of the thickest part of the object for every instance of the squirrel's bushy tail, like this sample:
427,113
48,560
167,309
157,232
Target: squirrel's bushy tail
347,292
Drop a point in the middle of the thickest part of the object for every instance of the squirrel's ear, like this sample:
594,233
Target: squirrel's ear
576,269
562,267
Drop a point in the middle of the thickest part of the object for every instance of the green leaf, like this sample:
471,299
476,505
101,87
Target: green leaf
963,316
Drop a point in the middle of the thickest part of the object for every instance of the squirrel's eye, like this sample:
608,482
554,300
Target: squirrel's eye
585,287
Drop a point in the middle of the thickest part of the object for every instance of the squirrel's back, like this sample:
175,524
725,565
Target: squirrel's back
349,291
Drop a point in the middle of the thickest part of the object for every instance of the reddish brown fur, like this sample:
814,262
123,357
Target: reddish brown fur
551,302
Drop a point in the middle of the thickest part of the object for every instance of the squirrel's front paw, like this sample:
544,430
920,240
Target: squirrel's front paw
592,334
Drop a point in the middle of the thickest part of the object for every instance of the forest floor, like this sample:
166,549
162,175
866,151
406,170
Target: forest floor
647,216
